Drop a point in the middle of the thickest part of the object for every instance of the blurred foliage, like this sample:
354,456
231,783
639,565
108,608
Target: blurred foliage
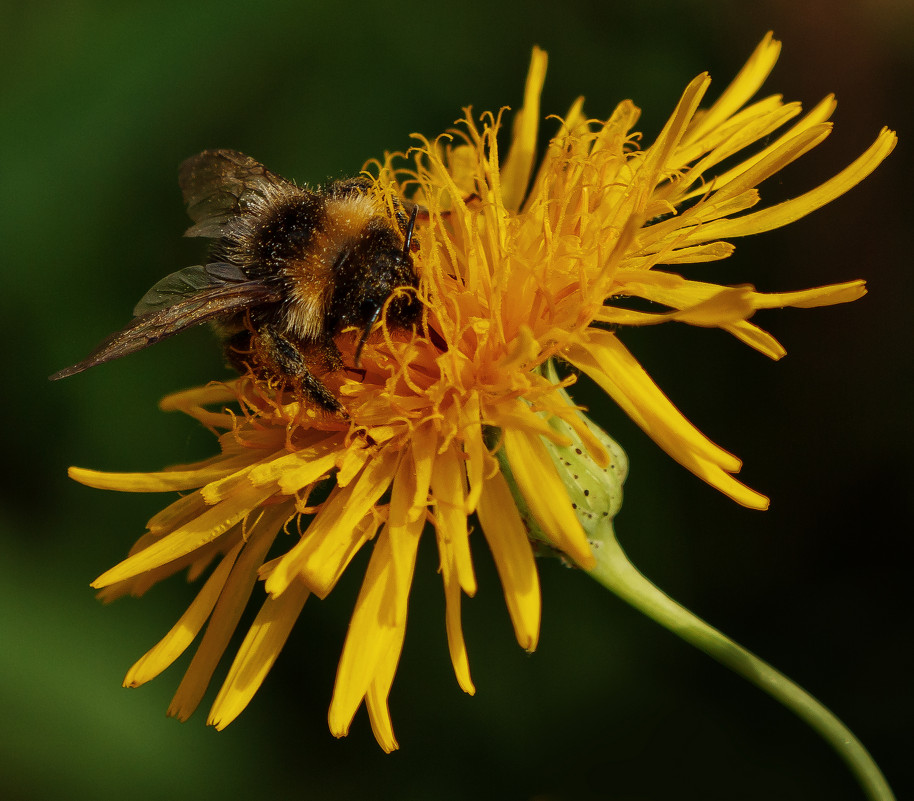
99,103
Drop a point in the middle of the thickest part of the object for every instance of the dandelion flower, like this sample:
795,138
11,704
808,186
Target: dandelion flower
520,266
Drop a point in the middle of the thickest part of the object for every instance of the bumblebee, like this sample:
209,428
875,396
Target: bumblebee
289,268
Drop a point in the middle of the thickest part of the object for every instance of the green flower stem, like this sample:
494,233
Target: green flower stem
615,572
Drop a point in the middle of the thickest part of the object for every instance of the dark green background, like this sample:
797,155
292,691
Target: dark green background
99,102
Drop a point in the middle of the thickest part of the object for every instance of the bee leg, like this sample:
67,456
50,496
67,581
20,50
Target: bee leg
290,361
333,359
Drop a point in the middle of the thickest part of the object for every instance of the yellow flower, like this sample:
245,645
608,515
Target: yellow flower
461,416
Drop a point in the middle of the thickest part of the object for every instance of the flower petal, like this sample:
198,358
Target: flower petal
228,610
545,495
337,532
811,298
746,83
199,531
658,154
164,481
455,642
611,365
182,634
518,166
448,489
257,653
504,531
375,636
792,210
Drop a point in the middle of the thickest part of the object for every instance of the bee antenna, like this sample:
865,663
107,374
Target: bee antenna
408,240
368,326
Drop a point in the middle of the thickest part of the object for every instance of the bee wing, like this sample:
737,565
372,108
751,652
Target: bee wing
186,283
218,184
169,312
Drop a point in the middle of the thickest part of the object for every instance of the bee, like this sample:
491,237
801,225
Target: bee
288,269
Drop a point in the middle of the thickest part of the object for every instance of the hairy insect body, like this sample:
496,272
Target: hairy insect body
289,269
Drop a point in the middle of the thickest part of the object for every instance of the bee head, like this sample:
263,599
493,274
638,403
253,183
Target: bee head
368,274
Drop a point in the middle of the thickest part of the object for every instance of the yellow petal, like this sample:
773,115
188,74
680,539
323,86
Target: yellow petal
199,531
176,514
455,642
351,462
475,451
524,350
518,166
296,470
746,83
379,715
747,126
195,563
424,447
337,532
398,521
791,210
256,655
556,151
232,602
756,338
613,135
182,634
728,305
822,112
545,495
708,251
611,365
774,162
220,489
450,517
373,643
382,681
164,481
519,416
657,155
811,298
504,531
208,395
